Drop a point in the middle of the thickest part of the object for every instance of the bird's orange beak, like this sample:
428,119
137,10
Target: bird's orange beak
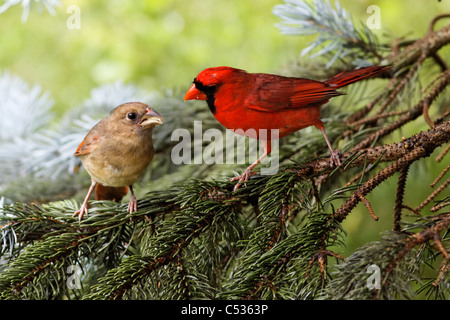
194,94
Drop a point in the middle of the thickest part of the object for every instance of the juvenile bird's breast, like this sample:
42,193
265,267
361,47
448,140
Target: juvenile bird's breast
118,163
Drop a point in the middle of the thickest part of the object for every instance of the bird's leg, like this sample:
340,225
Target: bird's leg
84,206
334,154
132,205
247,172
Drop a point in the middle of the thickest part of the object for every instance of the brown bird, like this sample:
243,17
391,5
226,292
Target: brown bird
117,151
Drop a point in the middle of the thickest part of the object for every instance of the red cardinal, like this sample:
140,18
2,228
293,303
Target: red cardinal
117,151
259,101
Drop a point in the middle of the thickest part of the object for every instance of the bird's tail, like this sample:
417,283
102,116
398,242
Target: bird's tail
347,77
110,193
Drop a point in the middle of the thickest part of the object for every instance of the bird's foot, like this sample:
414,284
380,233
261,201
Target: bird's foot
335,161
132,205
242,178
83,210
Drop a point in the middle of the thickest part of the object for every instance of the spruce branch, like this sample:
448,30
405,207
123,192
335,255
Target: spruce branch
409,60
397,257
412,114
274,238
24,272
399,198
352,279
173,238
414,148
337,33
428,46
57,240
442,187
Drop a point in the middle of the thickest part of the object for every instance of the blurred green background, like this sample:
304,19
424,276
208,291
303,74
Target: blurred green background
162,44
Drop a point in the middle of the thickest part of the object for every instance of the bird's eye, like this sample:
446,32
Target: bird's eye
131,116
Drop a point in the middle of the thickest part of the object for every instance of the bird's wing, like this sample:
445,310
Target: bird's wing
88,145
276,93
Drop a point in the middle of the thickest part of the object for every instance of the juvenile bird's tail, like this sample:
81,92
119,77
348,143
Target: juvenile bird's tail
347,77
110,193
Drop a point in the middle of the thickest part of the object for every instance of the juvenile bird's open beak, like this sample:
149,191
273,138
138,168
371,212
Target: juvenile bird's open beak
151,119
194,94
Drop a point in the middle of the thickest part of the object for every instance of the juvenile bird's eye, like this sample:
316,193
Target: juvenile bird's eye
131,116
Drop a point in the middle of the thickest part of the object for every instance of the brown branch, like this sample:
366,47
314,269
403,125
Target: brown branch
414,54
399,198
438,242
443,116
443,172
431,233
436,19
321,258
426,115
377,117
433,195
440,206
359,114
442,155
428,46
428,140
281,225
414,148
415,112
444,269
442,222
367,204
402,83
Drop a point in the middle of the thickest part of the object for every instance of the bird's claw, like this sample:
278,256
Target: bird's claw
83,210
335,161
242,178
132,205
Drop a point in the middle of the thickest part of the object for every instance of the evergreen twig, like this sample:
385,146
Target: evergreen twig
273,238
